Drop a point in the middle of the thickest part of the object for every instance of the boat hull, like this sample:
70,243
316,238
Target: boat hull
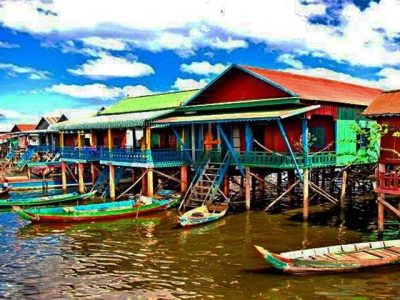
189,218
345,261
46,200
90,213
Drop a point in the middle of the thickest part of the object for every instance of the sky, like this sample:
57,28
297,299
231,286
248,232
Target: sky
76,56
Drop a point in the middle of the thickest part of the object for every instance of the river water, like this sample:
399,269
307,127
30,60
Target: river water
151,258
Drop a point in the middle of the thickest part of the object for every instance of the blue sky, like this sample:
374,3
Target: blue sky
73,57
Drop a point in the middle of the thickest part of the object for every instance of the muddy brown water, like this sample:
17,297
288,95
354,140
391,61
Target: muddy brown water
151,258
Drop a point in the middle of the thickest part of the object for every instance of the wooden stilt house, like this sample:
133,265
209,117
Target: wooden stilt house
120,137
259,121
385,109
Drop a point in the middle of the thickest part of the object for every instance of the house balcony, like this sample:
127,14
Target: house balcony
388,182
155,158
80,155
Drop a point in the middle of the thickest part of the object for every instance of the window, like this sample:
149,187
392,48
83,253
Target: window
363,138
318,137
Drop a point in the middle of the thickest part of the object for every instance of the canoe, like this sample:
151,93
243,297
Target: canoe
92,212
4,192
334,259
46,200
203,214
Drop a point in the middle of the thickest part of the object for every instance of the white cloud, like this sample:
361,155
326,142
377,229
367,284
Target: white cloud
108,66
74,114
189,84
98,91
290,60
105,43
10,114
14,70
362,37
8,45
202,68
229,44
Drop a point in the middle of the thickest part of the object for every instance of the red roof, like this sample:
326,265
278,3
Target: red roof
319,89
4,136
387,103
23,127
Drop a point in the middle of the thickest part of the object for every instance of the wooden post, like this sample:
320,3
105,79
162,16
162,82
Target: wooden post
226,184
291,180
343,190
261,186
110,139
381,213
80,178
305,194
248,188
64,176
184,179
62,142
150,183
79,140
279,181
28,170
93,172
144,184
112,182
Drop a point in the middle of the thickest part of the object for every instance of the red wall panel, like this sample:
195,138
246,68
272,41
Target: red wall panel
238,86
389,142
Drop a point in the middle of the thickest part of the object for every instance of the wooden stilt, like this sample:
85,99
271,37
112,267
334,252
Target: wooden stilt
64,176
28,170
381,213
305,194
241,183
81,183
112,182
150,183
290,183
279,182
261,187
226,184
144,183
184,179
343,190
248,188
93,173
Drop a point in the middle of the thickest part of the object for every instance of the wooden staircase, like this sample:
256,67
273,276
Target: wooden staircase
205,185
24,159
102,181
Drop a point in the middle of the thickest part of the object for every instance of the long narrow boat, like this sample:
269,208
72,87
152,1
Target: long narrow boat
46,200
203,214
4,192
334,259
92,212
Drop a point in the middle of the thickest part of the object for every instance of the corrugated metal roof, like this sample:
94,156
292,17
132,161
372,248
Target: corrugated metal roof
23,127
236,117
149,102
314,88
128,120
387,103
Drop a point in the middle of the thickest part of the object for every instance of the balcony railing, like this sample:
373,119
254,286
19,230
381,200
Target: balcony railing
388,182
80,154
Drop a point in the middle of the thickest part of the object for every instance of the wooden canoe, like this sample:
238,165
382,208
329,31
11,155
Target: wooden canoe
91,212
46,200
203,214
4,192
334,259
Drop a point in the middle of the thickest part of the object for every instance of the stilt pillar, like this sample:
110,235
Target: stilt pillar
343,190
261,187
226,184
93,173
112,182
305,194
290,182
381,213
184,179
248,188
150,183
64,176
81,183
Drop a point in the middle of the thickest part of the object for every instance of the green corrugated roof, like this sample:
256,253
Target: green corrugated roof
236,116
127,120
150,102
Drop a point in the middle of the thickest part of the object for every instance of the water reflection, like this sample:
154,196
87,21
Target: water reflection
151,258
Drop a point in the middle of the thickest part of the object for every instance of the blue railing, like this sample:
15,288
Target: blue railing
85,153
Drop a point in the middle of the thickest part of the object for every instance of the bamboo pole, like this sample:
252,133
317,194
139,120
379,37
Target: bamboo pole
248,189
64,176
150,183
112,182
381,213
343,190
81,184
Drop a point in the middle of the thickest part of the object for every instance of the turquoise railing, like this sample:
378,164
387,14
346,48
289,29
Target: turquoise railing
85,153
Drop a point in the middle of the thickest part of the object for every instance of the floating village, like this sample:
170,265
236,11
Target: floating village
252,141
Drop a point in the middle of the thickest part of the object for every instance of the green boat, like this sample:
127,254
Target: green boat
93,212
46,200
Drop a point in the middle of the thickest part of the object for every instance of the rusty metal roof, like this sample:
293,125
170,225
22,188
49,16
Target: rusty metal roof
23,127
387,103
317,89
236,116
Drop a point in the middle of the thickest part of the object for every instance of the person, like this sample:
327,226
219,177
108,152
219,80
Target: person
5,184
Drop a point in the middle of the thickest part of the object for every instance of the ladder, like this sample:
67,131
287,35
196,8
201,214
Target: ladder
205,186
24,159
102,181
